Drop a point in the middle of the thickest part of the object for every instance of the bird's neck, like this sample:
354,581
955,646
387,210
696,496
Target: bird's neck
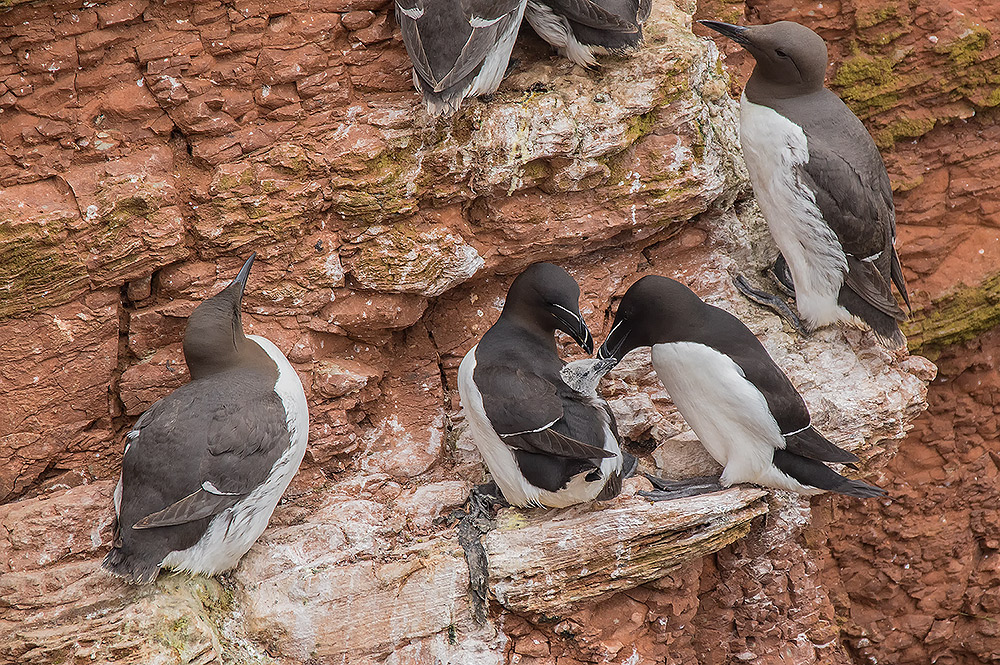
762,91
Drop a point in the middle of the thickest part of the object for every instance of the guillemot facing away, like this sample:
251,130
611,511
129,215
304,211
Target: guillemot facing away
458,49
205,466
820,182
545,442
580,28
739,403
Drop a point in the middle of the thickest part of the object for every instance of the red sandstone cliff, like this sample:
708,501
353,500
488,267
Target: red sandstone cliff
149,146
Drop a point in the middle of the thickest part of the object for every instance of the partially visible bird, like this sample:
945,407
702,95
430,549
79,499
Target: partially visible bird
739,403
205,466
820,182
580,28
546,443
459,48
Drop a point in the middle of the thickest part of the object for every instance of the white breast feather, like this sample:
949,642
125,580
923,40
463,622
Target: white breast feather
727,413
232,532
556,30
773,147
495,64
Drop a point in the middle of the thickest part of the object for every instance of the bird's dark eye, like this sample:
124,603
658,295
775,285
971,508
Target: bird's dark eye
780,53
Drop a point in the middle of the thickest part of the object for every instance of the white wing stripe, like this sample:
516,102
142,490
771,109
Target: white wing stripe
480,22
531,431
803,429
212,489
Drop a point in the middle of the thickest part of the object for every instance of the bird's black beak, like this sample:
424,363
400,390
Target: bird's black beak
614,345
572,324
735,32
241,277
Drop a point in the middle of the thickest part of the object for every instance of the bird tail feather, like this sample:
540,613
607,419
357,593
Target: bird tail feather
130,569
812,473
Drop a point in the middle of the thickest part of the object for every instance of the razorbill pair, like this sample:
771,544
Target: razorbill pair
461,48
821,184
546,442
205,466
739,403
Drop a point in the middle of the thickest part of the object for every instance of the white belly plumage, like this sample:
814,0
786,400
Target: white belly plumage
774,147
727,413
503,466
232,532
556,30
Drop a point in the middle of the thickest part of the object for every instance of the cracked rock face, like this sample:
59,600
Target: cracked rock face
151,147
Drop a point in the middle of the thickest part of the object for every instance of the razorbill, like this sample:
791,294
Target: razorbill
580,28
739,403
459,48
820,182
205,466
545,442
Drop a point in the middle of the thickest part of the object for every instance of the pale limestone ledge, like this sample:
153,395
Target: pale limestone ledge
307,600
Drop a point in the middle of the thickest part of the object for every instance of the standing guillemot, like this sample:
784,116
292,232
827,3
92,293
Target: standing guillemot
739,403
545,443
579,28
205,466
820,182
458,49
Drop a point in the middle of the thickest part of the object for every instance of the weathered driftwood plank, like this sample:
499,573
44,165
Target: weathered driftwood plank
548,561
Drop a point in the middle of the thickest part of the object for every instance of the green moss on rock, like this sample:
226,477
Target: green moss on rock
640,126
967,49
868,83
34,271
903,128
874,16
955,318
971,75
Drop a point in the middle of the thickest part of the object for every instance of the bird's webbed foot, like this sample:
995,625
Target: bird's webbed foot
775,303
666,490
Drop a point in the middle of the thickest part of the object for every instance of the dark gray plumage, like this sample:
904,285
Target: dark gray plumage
743,408
459,48
820,182
579,28
545,442
205,466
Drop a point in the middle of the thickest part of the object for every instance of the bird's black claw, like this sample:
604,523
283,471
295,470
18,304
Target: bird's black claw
782,276
772,302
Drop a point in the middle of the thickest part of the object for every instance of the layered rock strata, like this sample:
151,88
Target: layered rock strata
151,146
